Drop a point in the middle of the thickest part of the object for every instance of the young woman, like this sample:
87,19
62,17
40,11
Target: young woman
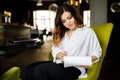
70,38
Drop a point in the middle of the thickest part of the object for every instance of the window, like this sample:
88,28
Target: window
86,17
44,19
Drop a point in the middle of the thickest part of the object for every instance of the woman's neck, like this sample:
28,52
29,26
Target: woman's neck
70,32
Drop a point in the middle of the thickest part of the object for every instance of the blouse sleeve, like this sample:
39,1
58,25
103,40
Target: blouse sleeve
55,50
95,48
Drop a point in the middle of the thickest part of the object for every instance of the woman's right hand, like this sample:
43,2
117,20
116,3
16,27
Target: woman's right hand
61,55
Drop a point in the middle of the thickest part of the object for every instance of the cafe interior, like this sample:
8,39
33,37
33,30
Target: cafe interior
26,34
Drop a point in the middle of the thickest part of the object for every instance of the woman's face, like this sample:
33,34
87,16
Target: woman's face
68,20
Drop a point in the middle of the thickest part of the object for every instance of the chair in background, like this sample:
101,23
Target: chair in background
11,74
103,33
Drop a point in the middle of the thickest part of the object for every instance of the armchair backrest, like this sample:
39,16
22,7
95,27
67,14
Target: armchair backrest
103,33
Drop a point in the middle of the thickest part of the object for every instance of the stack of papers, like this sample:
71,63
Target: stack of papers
77,61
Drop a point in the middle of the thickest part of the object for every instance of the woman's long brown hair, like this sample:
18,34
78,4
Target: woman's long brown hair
60,29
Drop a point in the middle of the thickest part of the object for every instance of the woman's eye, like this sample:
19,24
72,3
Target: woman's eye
69,17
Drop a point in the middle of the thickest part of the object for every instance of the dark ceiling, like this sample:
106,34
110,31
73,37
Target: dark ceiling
20,8
24,4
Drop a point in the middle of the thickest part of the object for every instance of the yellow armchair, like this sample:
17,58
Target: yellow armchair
11,74
103,33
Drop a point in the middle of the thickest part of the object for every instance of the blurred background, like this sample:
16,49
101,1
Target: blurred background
26,31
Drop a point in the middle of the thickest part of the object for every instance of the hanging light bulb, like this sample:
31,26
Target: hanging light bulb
39,3
72,2
80,1
75,2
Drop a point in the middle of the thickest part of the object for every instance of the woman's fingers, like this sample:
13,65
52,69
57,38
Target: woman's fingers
61,55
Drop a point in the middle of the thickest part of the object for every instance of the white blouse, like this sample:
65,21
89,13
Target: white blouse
83,42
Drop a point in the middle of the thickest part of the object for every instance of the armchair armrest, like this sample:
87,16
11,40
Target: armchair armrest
12,74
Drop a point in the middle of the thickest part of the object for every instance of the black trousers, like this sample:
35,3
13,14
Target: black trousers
48,70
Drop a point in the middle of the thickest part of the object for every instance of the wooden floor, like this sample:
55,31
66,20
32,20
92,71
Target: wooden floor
110,68
26,56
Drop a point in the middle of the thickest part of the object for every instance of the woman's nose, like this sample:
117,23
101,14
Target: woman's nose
68,22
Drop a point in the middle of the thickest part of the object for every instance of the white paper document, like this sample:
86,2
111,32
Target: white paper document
77,61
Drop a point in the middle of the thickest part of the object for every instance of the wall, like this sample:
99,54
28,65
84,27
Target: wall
98,10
